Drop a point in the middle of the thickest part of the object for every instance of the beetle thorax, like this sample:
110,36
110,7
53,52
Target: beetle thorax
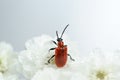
60,44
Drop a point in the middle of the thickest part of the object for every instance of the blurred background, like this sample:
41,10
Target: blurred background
93,23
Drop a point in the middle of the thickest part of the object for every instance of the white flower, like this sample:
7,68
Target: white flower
101,66
65,73
36,55
8,62
52,74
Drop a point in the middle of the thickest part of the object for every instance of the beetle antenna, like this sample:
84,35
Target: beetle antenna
64,31
57,34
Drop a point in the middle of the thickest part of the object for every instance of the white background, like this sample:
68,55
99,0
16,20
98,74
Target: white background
93,23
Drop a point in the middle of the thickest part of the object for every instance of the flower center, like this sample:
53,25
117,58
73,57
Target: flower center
101,75
3,66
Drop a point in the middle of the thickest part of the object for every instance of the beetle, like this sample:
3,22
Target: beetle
61,51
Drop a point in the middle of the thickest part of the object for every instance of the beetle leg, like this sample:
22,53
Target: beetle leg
51,49
51,58
71,57
54,42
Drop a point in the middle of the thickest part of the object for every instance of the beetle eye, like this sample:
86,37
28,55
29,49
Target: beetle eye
57,39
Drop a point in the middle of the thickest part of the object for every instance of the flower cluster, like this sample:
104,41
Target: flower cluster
8,63
32,62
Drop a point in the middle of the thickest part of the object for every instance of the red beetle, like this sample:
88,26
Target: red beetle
60,51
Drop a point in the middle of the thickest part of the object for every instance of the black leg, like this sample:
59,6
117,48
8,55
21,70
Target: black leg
65,45
51,58
51,49
71,57
54,42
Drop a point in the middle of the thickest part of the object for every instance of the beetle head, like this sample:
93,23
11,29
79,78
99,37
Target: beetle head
60,38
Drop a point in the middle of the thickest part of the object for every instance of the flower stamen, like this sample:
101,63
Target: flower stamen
101,74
